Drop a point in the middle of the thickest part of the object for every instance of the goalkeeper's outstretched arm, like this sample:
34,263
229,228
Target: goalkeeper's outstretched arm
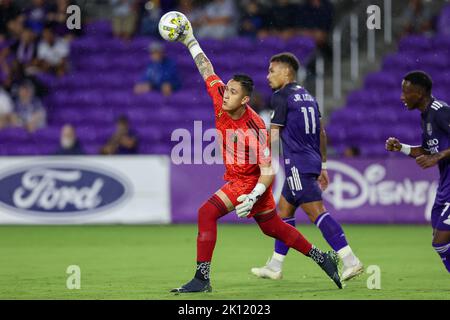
201,60
204,65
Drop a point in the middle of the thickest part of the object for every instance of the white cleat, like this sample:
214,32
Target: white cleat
353,271
267,273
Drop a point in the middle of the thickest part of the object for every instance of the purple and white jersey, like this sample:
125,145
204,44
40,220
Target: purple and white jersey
298,113
436,138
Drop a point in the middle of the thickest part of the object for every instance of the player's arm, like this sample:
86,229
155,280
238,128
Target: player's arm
394,145
275,131
443,122
267,173
248,200
202,62
278,120
323,178
204,66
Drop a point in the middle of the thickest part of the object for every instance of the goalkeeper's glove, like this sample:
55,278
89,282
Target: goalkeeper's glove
248,200
188,39
188,34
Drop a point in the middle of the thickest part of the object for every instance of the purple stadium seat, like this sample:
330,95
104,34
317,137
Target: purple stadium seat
443,24
381,80
99,28
92,148
18,135
415,43
49,135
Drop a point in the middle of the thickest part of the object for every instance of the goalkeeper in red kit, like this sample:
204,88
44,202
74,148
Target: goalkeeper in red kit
249,174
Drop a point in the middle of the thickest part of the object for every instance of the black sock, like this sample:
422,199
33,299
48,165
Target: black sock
202,272
317,255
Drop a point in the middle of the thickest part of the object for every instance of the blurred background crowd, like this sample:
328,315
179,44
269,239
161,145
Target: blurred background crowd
38,53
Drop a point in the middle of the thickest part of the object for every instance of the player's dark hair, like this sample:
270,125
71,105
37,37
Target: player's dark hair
289,58
246,82
421,79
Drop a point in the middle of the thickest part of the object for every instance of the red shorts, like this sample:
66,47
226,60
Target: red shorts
234,189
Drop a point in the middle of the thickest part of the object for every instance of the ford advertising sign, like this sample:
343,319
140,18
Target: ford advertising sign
61,190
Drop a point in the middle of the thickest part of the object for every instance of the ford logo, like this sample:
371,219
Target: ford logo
61,190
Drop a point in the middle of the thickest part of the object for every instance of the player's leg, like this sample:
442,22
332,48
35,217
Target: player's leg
273,268
208,214
312,205
273,226
441,238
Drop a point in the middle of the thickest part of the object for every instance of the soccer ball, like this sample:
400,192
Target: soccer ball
172,25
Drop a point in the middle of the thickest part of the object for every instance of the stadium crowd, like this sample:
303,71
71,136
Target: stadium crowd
34,40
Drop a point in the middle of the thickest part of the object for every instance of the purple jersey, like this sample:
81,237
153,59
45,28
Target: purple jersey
436,138
298,113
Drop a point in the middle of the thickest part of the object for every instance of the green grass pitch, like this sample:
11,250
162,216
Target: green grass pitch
145,262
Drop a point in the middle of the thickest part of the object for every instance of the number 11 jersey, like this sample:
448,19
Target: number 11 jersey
297,113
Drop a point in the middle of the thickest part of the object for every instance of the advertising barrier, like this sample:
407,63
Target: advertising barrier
79,190
360,191
152,190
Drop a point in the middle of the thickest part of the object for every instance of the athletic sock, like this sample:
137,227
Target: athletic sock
280,246
276,262
444,252
272,225
208,215
203,269
281,249
317,255
331,231
347,256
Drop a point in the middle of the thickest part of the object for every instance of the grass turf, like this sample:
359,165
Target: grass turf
145,262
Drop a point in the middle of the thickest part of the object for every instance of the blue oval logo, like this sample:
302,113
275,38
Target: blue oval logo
61,190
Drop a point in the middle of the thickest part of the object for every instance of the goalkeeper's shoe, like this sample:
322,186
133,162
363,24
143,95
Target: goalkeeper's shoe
195,285
267,273
329,264
352,271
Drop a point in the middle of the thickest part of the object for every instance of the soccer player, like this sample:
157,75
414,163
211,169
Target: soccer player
435,150
297,120
249,186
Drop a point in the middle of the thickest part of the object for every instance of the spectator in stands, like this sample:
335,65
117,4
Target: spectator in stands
252,19
26,49
36,16
123,141
151,13
29,111
161,73
280,19
57,17
443,23
219,20
69,143
6,108
9,11
352,152
20,75
5,63
192,12
53,53
417,18
315,19
124,18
